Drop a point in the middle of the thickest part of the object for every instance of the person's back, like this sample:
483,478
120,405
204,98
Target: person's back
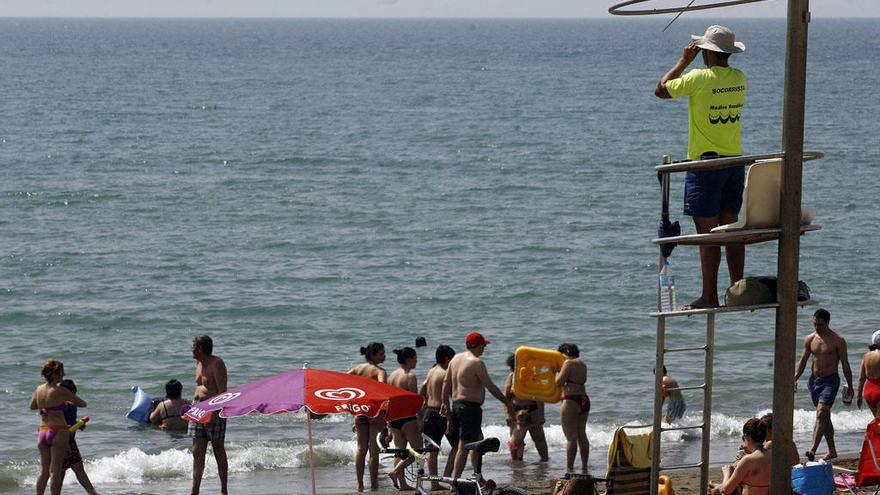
872,364
464,375
166,415
752,471
401,378
716,98
369,370
757,473
433,388
869,376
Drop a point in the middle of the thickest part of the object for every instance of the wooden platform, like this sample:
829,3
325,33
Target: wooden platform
726,309
735,237
719,163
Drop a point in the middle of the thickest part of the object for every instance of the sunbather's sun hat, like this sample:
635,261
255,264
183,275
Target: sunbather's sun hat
719,39
875,339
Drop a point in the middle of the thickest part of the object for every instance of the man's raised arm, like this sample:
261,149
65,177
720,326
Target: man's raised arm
688,54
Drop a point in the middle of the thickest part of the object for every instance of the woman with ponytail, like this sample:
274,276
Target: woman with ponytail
368,428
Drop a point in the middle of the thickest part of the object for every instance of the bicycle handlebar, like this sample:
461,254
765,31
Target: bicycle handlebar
403,453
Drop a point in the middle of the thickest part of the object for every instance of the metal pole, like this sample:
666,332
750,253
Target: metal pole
789,242
658,403
311,452
707,402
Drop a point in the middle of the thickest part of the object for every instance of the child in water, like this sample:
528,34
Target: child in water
675,405
73,460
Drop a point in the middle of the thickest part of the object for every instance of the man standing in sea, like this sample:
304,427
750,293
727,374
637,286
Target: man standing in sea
210,381
466,383
716,96
828,349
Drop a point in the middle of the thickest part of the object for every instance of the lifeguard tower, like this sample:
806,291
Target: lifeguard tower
787,230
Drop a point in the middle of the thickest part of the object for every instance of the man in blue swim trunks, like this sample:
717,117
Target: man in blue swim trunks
716,96
828,349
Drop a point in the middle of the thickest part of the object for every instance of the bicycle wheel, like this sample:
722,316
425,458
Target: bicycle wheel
509,490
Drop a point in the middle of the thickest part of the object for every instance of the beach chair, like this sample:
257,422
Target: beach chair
867,473
629,464
760,208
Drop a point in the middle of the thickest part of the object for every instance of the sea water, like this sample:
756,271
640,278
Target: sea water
300,188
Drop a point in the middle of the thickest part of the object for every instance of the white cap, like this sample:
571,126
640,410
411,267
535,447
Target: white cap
875,339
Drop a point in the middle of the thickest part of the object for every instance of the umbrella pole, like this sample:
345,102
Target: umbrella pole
311,452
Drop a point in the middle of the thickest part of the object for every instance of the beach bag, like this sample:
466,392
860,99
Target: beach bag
803,293
748,292
812,479
574,484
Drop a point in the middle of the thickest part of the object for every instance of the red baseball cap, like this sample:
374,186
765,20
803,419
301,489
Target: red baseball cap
475,338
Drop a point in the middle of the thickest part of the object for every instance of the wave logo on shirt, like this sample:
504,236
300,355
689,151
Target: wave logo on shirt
723,119
345,393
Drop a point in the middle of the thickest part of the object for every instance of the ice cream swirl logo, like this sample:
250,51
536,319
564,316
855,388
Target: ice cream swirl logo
223,398
341,394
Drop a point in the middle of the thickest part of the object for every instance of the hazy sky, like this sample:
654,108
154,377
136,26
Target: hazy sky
401,8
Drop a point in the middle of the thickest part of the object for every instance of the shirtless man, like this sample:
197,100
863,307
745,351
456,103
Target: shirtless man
828,349
434,425
367,428
210,381
466,383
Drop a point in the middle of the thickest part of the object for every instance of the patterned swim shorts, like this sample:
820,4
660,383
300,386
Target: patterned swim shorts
215,430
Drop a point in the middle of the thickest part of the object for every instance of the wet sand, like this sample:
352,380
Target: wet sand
683,482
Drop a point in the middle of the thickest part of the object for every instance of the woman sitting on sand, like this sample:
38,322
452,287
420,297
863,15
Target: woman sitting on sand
529,419
404,430
166,414
767,419
572,379
752,471
53,437
869,376
367,428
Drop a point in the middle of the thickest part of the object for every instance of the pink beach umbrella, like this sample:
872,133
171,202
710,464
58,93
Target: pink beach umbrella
318,391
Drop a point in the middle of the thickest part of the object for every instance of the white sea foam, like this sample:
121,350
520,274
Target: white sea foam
136,467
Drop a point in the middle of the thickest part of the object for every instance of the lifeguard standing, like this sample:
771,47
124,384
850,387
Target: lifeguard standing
716,96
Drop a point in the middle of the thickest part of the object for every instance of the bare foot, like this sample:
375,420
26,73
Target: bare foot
393,477
700,303
829,456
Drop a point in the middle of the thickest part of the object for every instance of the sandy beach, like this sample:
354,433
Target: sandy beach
683,482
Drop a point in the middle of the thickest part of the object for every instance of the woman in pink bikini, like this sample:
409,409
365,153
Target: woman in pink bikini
575,410
53,437
869,376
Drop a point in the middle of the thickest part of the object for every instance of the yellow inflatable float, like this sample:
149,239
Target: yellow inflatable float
535,375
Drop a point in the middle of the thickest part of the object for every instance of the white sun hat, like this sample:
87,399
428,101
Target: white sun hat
875,339
719,39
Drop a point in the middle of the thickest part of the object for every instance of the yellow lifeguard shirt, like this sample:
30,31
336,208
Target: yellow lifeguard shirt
715,102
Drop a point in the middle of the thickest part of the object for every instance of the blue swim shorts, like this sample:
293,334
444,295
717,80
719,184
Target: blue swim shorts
824,390
709,192
675,409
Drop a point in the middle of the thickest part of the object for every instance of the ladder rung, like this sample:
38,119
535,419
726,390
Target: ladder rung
686,349
695,387
678,428
681,466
